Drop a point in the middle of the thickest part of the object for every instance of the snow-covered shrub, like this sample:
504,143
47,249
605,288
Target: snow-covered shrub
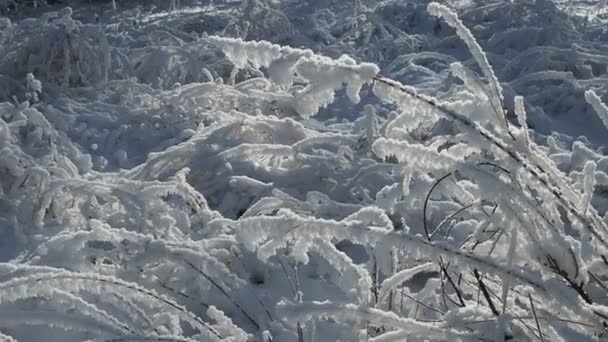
58,50
258,19
172,62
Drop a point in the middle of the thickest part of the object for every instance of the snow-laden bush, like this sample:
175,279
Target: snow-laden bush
58,50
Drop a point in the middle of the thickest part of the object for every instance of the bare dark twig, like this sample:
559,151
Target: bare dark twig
426,203
485,292
540,332
228,296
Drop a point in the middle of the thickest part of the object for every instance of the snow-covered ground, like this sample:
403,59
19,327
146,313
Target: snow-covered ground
303,170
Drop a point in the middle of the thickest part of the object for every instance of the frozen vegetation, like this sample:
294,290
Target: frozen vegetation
303,170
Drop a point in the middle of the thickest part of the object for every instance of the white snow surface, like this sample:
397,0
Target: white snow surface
303,170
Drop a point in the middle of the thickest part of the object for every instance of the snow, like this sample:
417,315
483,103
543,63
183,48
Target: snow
282,170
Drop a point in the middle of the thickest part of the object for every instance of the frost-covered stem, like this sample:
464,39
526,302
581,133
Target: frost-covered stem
291,282
232,78
113,4
393,270
299,299
398,278
57,319
371,128
507,282
66,61
375,280
69,276
520,111
496,96
298,289
244,21
296,293
412,327
506,286
588,185
600,108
